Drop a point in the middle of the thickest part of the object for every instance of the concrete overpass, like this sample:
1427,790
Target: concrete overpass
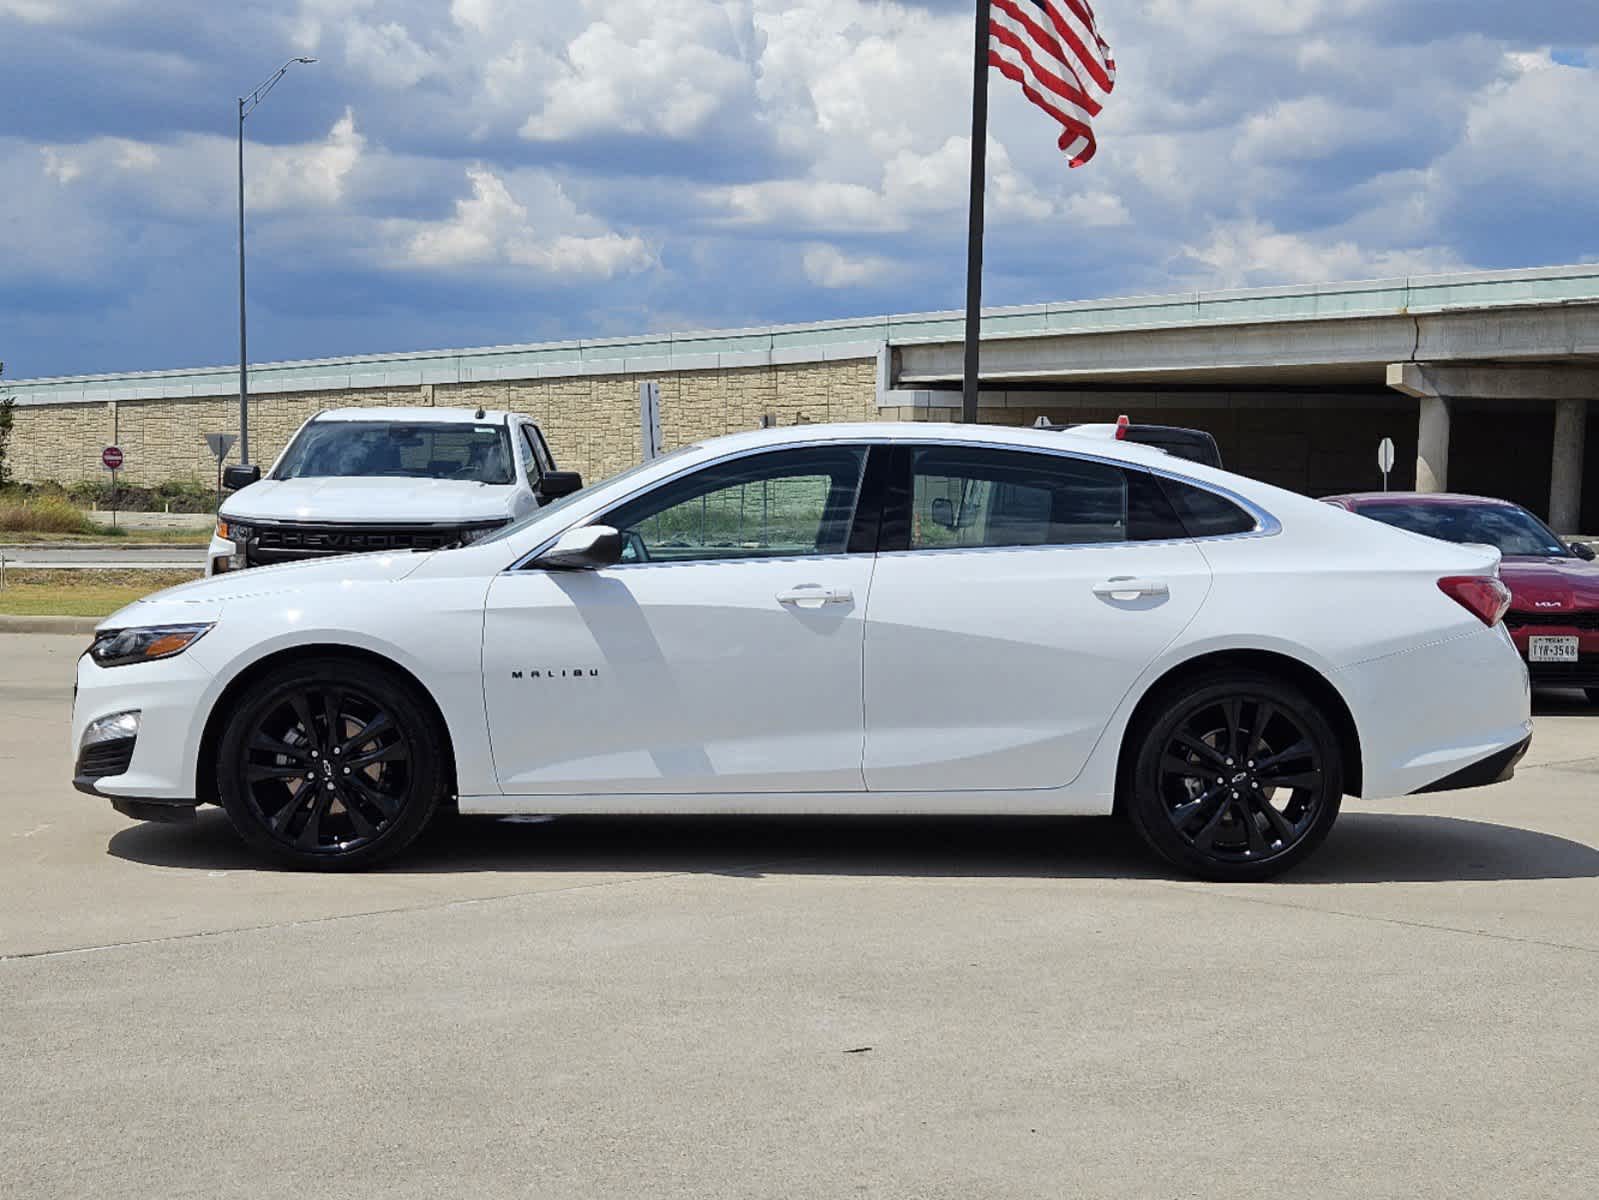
1484,378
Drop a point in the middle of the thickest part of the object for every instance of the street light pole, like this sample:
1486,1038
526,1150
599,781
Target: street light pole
244,381
247,105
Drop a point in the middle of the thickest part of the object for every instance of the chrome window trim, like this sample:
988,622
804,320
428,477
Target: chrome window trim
1266,525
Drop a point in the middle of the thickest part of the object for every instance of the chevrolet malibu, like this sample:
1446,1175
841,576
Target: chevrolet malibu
893,619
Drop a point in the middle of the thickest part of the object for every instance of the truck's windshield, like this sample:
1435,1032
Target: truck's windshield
410,450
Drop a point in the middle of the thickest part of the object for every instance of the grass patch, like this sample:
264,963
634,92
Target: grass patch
81,593
44,515
122,536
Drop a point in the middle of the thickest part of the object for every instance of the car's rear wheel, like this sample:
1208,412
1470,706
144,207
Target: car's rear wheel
1237,776
331,764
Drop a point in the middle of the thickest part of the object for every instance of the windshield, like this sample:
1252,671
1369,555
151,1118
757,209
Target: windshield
403,450
1515,531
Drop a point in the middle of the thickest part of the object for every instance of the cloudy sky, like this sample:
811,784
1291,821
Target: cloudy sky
468,172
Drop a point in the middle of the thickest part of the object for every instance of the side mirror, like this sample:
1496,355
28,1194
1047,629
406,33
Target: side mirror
943,512
1583,551
556,484
583,549
234,478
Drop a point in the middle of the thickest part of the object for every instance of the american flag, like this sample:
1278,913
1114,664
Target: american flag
1053,49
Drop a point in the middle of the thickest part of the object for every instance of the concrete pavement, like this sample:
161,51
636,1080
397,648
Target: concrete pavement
796,1008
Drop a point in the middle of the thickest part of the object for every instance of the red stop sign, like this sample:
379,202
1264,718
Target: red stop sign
111,456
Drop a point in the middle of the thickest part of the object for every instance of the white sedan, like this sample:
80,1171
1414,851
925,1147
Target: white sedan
893,618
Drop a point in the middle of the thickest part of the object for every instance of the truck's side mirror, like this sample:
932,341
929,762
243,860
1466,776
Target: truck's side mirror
556,484
1583,551
943,512
583,549
234,478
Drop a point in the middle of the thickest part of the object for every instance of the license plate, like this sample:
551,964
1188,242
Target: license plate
1551,649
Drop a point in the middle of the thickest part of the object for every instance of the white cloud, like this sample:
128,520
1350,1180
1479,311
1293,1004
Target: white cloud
829,267
662,67
59,12
1251,253
58,166
135,156
388,54
1308,128
1270,17
284,176
1096,210
494,228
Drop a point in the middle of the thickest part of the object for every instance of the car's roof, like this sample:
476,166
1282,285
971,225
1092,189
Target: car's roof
1442,499
921,431
420,415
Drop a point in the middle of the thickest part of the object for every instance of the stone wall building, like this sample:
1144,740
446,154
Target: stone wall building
1482,381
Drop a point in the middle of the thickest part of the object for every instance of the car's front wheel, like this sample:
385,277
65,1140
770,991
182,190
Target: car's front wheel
331,764
1237,776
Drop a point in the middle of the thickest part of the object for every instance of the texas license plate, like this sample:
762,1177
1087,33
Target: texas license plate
1551,649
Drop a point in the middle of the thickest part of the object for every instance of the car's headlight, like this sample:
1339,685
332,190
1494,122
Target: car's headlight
239,535
119,647
472,533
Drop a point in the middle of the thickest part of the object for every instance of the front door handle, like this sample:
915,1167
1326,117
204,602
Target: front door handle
1125,587
812,595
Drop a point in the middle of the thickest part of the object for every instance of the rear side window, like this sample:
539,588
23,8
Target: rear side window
1205,514
970,496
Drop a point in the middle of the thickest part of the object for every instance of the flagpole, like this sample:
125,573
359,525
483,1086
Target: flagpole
974,225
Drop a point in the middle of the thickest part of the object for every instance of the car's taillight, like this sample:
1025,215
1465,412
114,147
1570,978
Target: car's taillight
1122,422
1484,596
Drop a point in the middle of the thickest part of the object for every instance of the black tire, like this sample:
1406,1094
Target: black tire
1219,798
331,764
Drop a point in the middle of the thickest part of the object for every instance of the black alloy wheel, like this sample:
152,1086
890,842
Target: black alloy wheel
1237,778
330,765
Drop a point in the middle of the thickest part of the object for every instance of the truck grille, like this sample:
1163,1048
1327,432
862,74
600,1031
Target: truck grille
285,543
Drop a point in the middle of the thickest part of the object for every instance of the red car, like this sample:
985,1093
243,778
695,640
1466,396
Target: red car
1554,586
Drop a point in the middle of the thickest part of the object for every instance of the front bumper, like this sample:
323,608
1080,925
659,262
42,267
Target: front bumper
169,694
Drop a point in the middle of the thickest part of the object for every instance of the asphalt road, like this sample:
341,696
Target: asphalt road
718,1008
120,558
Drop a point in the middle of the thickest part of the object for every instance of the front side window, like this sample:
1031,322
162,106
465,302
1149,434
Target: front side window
969,496
402,450
781,504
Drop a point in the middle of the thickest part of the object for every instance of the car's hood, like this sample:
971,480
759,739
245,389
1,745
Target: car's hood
370,500
1551,584
203,599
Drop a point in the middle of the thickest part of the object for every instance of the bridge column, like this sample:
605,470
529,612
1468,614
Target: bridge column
1432,445
1432,433
1565,469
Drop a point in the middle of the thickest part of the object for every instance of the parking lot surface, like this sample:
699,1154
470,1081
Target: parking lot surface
708,1008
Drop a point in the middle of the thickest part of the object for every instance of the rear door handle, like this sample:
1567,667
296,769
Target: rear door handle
812,595
1125,587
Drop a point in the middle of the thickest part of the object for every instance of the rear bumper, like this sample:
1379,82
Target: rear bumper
1495,768
1439,710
